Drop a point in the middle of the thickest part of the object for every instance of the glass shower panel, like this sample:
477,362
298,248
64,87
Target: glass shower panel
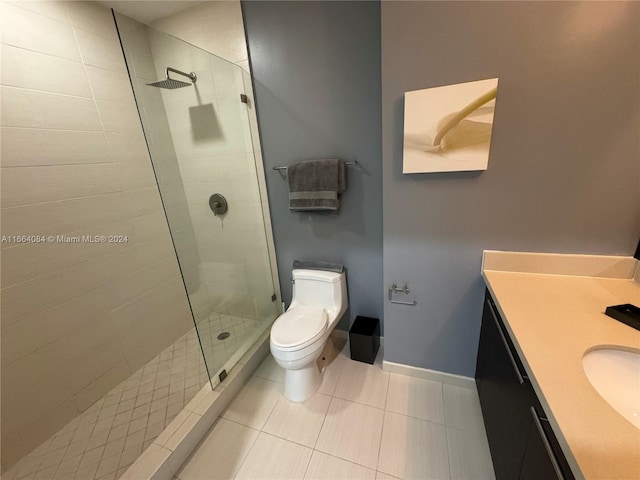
200,143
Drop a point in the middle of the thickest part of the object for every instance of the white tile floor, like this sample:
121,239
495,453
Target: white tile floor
105,440
363,423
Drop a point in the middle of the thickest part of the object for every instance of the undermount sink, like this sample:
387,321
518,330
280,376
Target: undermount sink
615,374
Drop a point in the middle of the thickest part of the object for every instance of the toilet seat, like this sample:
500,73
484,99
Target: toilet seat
298,327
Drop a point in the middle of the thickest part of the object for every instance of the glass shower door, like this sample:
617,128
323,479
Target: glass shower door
199,139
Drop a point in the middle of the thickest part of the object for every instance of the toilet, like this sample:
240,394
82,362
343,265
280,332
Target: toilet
299,336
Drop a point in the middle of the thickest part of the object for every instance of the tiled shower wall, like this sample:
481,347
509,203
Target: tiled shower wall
235,267
77,318
141,65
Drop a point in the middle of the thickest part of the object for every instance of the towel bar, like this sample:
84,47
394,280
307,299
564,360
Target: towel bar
355,162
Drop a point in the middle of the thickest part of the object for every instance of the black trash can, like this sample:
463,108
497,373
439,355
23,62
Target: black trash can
364,339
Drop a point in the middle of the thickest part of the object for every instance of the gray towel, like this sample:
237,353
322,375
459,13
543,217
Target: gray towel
316,185
313,265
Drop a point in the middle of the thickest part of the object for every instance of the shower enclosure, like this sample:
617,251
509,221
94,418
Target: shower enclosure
194,113
104,343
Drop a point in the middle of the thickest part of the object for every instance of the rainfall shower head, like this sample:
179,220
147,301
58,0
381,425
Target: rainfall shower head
170,83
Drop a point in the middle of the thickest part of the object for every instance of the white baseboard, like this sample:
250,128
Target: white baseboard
426,374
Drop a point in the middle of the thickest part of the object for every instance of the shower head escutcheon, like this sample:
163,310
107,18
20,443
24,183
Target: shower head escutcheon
170,83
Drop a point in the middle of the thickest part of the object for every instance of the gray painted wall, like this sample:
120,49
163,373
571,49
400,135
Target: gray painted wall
316,67
564,170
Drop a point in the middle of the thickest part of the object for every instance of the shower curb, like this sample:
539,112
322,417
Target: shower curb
164,457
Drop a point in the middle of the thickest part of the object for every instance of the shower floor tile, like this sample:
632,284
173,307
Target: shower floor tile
108,437
218,351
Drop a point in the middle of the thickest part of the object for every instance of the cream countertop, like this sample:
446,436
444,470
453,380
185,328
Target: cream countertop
553,307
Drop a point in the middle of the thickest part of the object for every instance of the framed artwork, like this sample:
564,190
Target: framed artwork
448,128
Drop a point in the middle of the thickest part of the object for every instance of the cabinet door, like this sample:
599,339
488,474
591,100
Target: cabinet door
504,395
539,460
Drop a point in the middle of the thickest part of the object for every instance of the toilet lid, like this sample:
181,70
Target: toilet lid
298,327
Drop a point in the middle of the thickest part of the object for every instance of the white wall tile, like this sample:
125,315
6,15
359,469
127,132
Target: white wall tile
244,64
30,30
127,147
98,388
37,71
92,16
25,378
137,48
53,9
61,217
136,175
28,185
150,226
142,324
27,261
119,117
28,108
100,50
93,363
110,85
24,147
126,288
18,439
78,214
25,337
63,301
29,298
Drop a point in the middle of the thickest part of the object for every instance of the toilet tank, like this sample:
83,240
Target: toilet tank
321,288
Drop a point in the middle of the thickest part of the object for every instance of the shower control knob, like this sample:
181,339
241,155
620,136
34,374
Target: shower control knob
218,204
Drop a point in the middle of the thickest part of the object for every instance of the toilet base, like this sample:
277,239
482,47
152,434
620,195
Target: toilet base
300,384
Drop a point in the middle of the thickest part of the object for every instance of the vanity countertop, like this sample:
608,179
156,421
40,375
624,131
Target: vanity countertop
553,307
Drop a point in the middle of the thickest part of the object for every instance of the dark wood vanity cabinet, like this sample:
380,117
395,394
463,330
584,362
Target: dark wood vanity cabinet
541,458
521,441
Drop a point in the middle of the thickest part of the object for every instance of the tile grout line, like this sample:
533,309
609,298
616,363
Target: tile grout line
446,433
384,416
313,449
329,407
253,444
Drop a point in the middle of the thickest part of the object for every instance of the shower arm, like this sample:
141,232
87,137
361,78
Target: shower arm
191,75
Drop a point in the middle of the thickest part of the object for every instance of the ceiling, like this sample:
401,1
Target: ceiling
147,11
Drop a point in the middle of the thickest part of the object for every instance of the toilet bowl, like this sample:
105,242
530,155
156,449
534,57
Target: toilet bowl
299,335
